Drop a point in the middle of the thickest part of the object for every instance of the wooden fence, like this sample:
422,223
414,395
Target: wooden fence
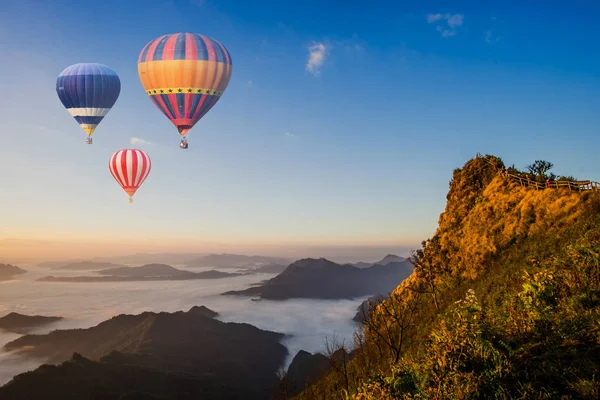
572,186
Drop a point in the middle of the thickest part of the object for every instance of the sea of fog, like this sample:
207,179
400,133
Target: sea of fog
310,322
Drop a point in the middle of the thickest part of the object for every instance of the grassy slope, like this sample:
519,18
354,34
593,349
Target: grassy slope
492,234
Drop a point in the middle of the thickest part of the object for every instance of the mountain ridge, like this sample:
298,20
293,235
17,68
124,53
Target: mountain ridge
325,279
7,271
148,272
181,345
20,323
496,306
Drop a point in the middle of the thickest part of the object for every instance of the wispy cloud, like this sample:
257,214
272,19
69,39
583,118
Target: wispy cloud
250,84
297,136
446,24
490,38
316,57
136,140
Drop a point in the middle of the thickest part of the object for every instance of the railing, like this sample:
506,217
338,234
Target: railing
572,186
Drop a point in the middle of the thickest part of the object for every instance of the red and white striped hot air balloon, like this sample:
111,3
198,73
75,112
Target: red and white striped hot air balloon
130,168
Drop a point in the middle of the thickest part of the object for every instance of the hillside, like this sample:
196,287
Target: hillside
384,261
268,269
7,271
19,323
504,301
324,279
86,266
221,360
81,378
148,272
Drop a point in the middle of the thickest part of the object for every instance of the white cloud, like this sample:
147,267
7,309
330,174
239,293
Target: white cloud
136,140
455,20
289,134
445,32
249,84
431,18
446,24
316,57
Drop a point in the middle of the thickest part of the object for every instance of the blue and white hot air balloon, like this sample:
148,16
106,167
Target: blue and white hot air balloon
88,91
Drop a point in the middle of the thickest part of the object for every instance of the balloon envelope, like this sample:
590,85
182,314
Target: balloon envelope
184,74
88,91
130,168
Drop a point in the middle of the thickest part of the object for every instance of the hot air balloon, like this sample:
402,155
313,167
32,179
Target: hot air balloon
88,91
130,168
185,74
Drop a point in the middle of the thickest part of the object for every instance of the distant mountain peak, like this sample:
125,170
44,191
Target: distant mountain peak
325,279
7,270
390,258
20,323
203,310
314,263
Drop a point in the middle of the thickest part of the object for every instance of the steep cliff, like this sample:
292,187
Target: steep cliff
504,301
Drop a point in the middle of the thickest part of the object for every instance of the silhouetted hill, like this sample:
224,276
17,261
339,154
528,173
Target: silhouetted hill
390,258
240,357
305,369
150,272
130,259
321,278
19,323
151,258
56,264
267,269
80,378
234,261
385,260
204,311
271,268
86,266
361,264
7,271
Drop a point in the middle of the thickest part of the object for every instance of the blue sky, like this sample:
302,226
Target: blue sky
341,125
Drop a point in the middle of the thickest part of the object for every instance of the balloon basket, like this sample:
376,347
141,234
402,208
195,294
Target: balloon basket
131,199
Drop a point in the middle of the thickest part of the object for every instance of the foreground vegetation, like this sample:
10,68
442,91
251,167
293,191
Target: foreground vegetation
504,302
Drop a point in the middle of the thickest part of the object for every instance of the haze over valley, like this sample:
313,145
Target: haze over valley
76,295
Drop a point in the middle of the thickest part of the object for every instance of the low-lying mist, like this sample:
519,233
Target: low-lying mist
84,305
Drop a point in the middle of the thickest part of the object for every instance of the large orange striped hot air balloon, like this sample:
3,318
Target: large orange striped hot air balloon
185,74
130,168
